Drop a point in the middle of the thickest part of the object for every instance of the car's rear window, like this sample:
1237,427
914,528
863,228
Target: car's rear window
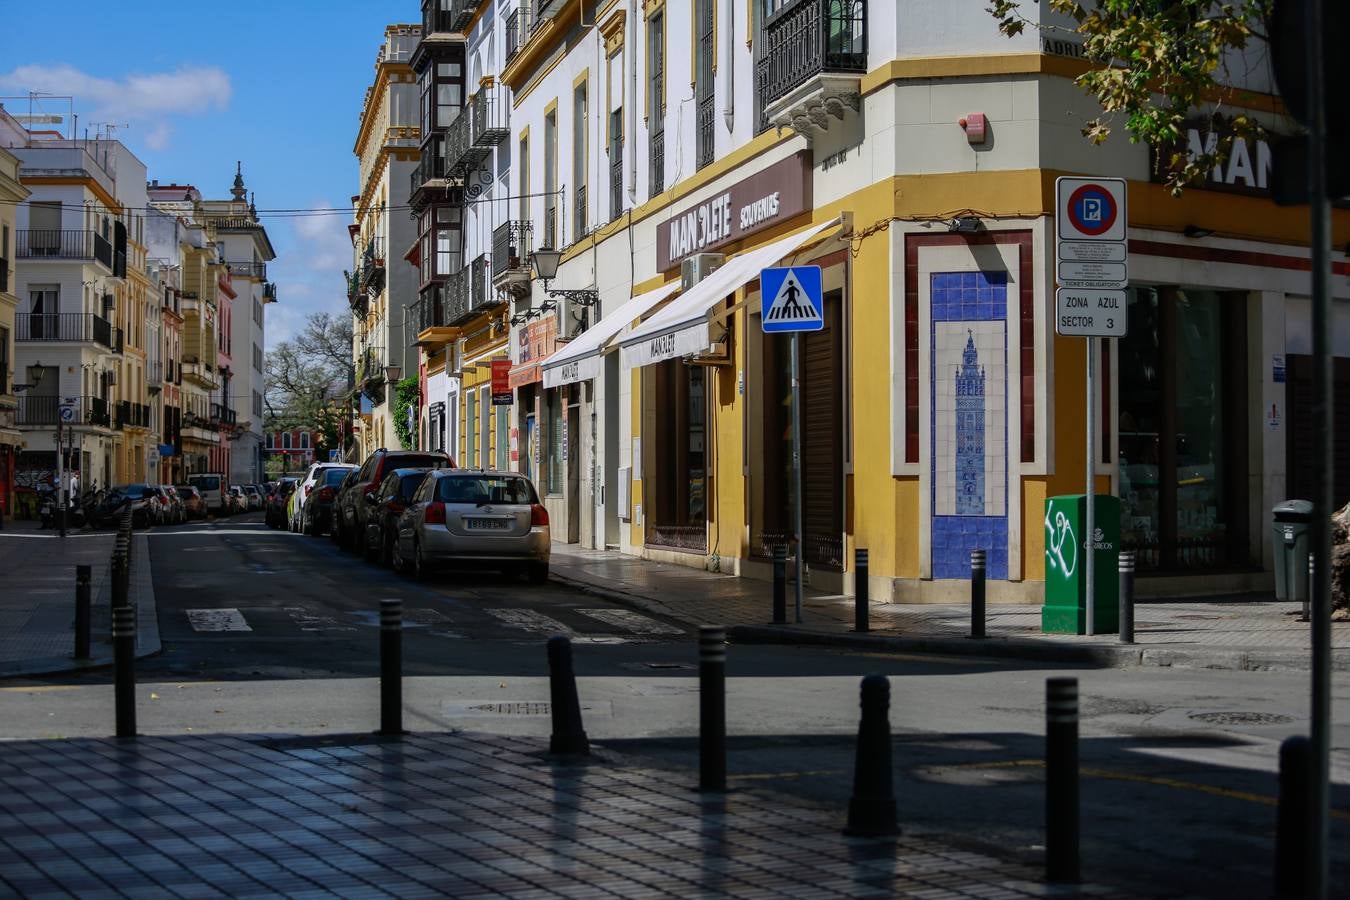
134,491
334,476
207,484
417,462
486,489
410,484
186,489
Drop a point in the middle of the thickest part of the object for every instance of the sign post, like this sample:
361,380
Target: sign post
1092,268
66,416
792,300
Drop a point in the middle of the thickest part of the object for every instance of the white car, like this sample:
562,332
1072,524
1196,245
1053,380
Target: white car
307,486
213,491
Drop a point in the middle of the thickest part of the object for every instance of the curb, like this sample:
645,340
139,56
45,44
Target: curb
994,647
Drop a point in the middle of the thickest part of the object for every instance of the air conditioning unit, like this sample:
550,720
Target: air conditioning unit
698,267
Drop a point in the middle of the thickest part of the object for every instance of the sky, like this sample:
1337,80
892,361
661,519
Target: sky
192,88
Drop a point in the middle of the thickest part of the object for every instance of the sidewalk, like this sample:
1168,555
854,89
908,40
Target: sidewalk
1243,633
37,599
434,815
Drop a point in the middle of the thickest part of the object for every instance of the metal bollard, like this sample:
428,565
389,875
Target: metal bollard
861,602
1126,567
779,584
871,809
119,584
712,708
569,738
1292,818
978,565
1307,595
124,672
1061,780
391,666
83,576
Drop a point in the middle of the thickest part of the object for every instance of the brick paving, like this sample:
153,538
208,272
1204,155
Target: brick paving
459,814
1242,632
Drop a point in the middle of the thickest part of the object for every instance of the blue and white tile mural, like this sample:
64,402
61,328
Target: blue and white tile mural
970,421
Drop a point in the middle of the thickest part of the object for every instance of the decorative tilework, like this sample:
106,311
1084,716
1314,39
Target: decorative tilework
955,536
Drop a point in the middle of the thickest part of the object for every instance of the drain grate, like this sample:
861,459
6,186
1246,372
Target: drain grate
1241,718
514,708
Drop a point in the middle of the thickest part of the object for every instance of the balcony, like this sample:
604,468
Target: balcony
458,309
482,124
462,13
198,373
517,30
222,414
254,270
512,243
44,243
356,298
67,328
370,276
657,170
814,59
616,181
132,415
38,411
482,296
270,292
154,376
579,215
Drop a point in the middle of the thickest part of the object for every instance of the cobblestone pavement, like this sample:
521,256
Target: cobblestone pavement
458,814
1241,633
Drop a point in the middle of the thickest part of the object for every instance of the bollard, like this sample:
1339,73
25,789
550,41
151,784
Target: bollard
1292,818
569,739
124,673
712,708
1307,595
1061,780
779,584
1126,596
871,809
391,666
82,619
860,599
119,584
977,569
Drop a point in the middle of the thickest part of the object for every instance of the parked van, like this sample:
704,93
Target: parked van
212,488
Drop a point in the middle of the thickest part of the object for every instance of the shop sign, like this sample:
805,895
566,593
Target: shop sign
1246,170
501,382
766,198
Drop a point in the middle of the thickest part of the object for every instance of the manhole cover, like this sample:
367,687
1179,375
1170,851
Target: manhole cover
1241,718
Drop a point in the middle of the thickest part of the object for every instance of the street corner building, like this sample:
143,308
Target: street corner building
577,291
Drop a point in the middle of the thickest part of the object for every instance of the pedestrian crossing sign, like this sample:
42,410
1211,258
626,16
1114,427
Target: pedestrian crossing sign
791,299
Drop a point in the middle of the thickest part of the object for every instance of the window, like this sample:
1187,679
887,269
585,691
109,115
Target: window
4,360
616,163
427,80
448,256
44,301
656,102
497,489
449,92
285,440
703,77
551,179
470,427
271,441
304,440
503,438
556,434
525,179
580,128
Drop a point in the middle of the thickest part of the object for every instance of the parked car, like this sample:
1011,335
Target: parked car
238,499
214,492
252,497
194,504
474,516
352,505
171,505
391,499
275,510
142,499
310,482
315,514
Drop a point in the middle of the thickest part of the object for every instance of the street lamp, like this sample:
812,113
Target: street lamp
546,261
393,373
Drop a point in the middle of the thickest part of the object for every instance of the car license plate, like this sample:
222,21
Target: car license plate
486,524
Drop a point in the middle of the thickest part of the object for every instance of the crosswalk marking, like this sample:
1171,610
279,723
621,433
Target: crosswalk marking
630,621
529,620
217,620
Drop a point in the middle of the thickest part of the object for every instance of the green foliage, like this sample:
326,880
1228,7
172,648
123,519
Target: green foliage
1156,64
408,391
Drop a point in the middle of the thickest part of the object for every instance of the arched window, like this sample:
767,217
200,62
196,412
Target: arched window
286,440
304,441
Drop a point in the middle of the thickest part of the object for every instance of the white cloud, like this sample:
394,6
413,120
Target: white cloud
144,101
308,273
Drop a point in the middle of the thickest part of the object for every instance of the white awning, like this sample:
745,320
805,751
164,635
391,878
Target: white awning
681,329
580,359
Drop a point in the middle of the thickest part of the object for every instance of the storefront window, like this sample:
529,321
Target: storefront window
679,479
470,431
555,442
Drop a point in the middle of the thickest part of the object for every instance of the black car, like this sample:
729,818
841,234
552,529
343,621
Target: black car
142,499
357,496
391,499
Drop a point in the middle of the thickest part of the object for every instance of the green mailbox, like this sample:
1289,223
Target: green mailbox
1065,610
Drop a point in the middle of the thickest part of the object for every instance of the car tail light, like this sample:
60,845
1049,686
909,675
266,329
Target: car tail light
310,487
325,494
538,516
435,513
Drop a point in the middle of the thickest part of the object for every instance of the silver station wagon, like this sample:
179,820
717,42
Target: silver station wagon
474,517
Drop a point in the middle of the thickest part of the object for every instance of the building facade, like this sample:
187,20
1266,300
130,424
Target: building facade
12,193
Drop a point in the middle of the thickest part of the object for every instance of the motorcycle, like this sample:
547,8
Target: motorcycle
47,514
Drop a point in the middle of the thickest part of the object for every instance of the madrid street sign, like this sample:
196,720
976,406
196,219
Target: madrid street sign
1089,313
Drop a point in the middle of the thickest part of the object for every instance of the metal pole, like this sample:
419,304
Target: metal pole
124,674
779,584
569,737
391,666
1322,462
712,708
1061,780
978,565
1090,519
60,476
797,468
861,601
1127,596
1292,818
82,618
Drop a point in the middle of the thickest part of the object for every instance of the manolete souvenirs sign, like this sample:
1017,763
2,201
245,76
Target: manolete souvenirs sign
769,197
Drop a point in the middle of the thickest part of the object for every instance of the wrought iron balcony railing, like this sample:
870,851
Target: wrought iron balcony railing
807,38
457,293
437,17
44,243
256,270
462,12
64,328
481,125
512,244
657,164
518,29
429,310
616,181
223,415
43,410
579,214
481,294
371,274
706,108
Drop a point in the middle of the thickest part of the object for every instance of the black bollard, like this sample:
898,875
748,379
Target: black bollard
1126,596
391,666
82,619
977,570
1293,817
124,672
1061,780
1307,594
860,599
569,738
119,584
871,809
779,584
712,708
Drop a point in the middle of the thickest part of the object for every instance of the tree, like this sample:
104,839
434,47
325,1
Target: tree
1155,63
307,380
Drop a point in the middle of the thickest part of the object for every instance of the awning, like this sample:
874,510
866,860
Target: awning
580,360
681,329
